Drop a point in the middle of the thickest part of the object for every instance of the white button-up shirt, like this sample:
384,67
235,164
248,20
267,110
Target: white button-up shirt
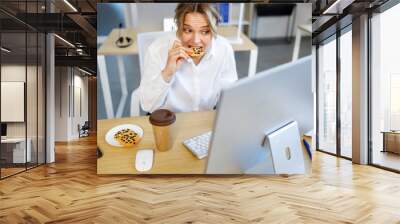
192,87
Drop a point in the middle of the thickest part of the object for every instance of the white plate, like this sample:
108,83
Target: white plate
110,134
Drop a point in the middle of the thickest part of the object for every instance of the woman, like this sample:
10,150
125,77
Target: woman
187,70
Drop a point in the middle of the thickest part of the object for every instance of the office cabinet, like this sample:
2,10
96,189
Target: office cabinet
391,142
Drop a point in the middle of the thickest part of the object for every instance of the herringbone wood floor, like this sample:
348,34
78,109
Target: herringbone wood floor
69,191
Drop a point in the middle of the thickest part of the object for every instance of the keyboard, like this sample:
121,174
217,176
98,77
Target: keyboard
198,145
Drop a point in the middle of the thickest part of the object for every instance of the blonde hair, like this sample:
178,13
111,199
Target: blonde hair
206,9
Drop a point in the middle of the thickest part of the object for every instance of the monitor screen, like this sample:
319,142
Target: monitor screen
258,122
3,129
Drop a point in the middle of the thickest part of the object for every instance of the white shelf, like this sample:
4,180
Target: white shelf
235,23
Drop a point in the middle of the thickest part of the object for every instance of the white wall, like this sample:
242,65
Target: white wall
34,125
12,100
276,27
17,73
62,81
14,73
80,83
150,16
66,101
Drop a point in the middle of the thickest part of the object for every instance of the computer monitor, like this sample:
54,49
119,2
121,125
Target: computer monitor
3,129
253,107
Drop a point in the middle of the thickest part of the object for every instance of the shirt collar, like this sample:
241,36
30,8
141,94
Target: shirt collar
211,49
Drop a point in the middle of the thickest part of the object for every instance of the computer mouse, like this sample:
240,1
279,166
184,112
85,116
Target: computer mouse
144,159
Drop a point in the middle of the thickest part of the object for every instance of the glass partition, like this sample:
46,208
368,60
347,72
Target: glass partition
13,103
385,89
327,96
22,89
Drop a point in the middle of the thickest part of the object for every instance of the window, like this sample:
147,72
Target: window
327,96
346,93
334,106
385,88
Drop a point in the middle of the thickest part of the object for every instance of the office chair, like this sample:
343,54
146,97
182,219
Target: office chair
143,42
84,130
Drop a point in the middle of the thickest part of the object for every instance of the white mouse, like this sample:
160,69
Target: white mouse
144,160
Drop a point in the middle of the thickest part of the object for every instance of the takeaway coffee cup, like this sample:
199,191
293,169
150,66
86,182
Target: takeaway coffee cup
162,121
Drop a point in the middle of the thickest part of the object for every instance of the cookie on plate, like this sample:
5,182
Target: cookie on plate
127,137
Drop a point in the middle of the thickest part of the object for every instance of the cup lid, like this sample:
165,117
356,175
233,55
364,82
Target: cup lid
162,117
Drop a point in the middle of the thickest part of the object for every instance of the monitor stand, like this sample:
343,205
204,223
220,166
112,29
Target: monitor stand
286,149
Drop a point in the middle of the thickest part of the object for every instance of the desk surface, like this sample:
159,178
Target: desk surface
306,27
177,160
391,132
14,140
109,48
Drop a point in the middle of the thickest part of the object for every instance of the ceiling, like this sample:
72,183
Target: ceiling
76,21
332,15
73,20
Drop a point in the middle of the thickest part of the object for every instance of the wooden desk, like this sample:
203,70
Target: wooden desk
304,29
17,152
108,46
177,160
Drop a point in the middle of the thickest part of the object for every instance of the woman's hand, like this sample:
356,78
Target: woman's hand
176,55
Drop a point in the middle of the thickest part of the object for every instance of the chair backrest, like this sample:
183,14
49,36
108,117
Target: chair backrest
135,103
86,125
143,42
